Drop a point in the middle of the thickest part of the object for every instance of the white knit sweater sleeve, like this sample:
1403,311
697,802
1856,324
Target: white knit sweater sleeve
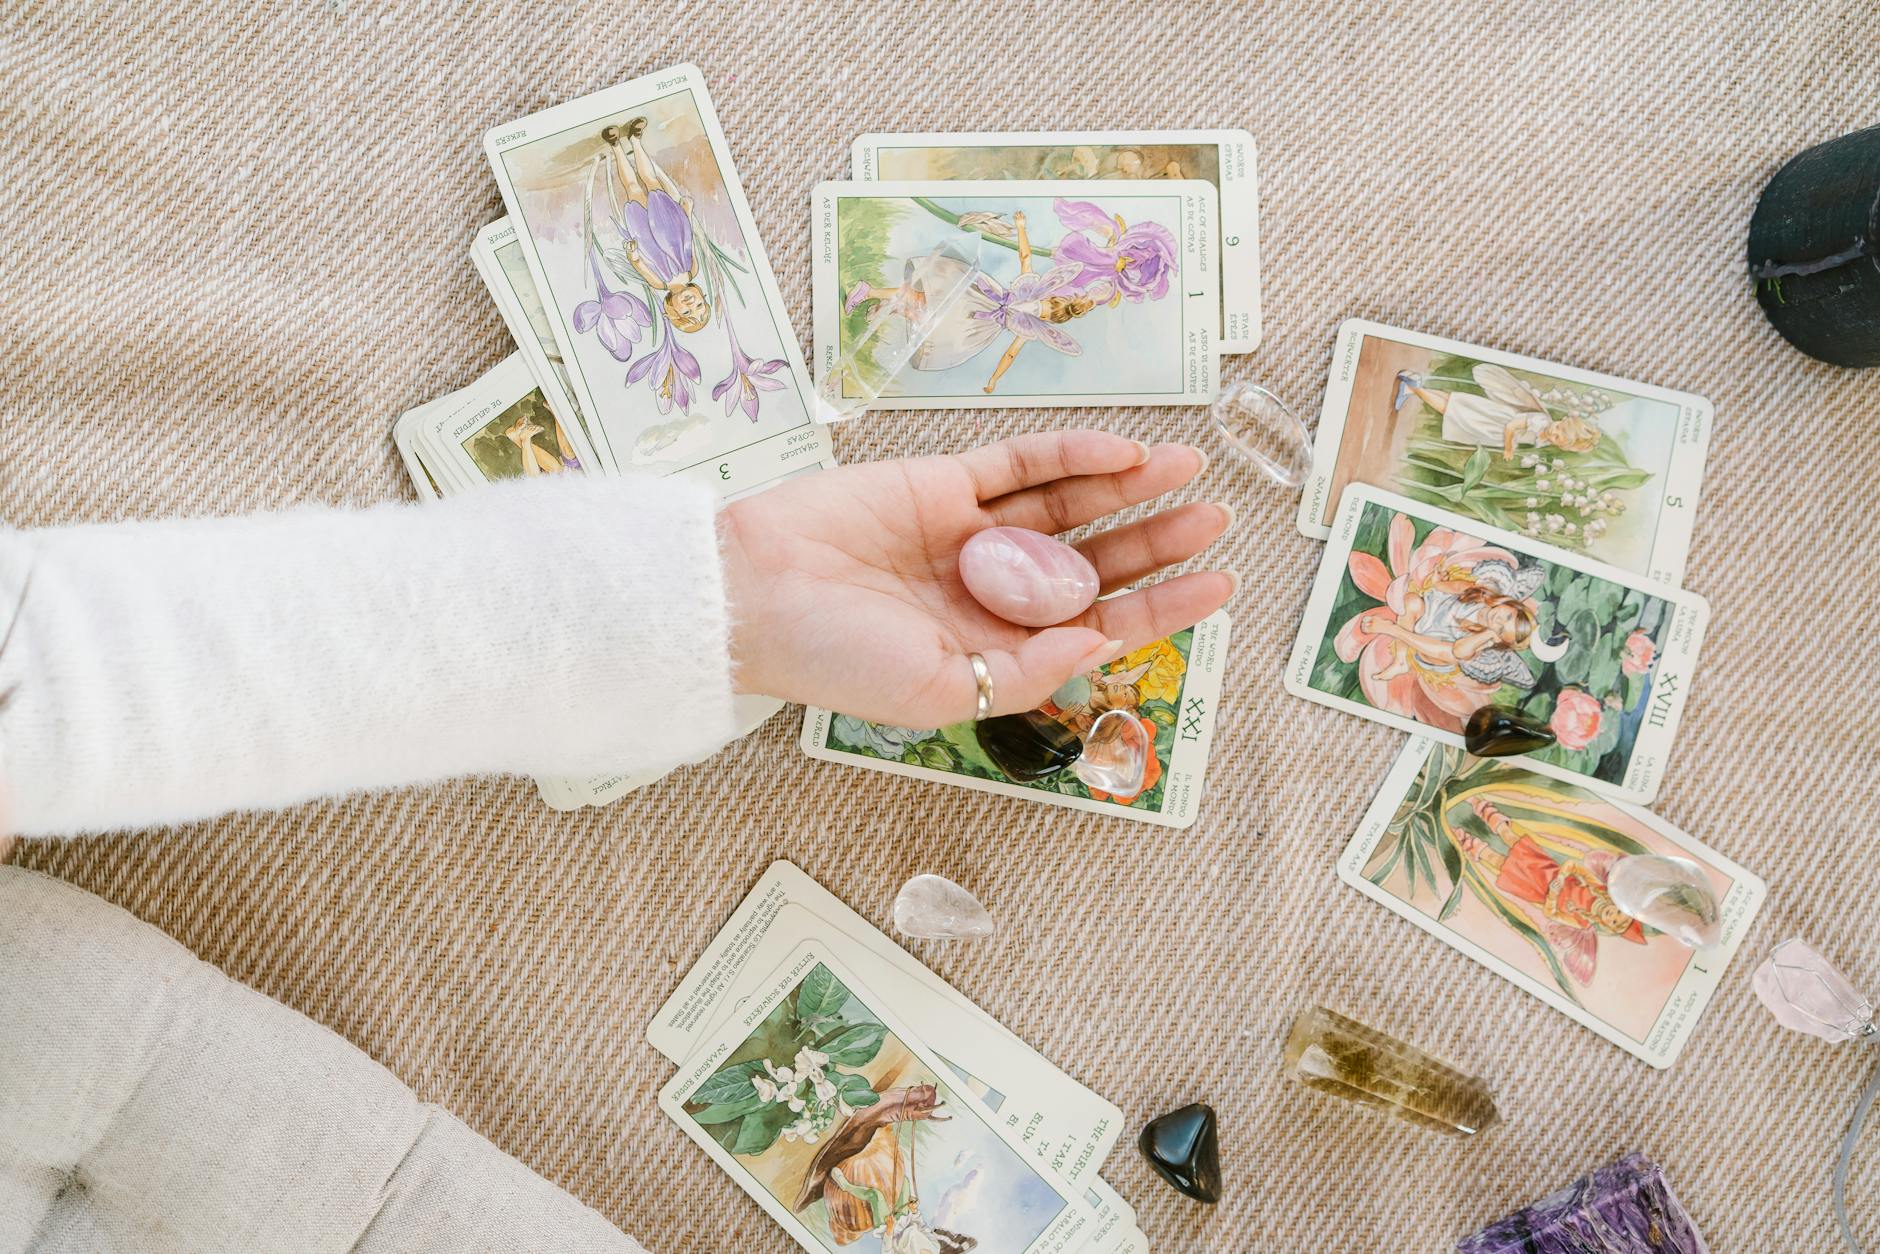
162,672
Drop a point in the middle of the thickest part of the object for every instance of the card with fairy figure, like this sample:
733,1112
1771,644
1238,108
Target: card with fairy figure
1172,685
1224,158
1419,617
853,1135
643,251
946,295
1511,867
1582,461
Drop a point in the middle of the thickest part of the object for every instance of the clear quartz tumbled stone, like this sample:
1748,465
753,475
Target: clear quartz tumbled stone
1670,894
1806,993
933,907
1115,758
1262,428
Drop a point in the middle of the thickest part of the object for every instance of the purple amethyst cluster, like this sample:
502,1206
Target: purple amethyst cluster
1624,1208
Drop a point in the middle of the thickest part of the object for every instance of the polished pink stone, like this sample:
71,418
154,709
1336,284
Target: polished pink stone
1027,578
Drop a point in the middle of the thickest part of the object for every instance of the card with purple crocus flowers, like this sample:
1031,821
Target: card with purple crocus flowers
642,248
1019,293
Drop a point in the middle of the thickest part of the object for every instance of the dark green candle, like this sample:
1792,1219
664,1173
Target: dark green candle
1814,250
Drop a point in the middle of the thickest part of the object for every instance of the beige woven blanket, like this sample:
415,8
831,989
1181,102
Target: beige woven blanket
236,247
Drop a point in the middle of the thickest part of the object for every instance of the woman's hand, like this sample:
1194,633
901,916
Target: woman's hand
845,589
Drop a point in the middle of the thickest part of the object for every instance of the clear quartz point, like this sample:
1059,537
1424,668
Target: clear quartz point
1670,894
1806,993
1262,428
933,907
1115,757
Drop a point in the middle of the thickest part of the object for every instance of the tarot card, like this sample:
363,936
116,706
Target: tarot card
1510,866
500,427
1073,1127
505,272
1081,293
1172,684
1419,617
846,1128
1224,158
641,245
1582,461
403,433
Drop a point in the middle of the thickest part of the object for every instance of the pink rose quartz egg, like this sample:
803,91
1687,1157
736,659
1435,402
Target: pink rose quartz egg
1027,578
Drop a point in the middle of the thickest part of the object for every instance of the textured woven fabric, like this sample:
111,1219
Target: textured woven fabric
237,241
150,1104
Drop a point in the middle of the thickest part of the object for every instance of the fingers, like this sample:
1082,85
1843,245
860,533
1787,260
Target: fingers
1024,676
1072,502
1028,460
1161,609
1123,555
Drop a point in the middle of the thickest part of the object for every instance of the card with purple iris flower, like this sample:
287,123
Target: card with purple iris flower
1076,293
1224,158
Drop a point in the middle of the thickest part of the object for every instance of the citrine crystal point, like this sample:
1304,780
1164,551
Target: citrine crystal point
1028,746
1623,1208
1328,1052
1499,731
1184,1148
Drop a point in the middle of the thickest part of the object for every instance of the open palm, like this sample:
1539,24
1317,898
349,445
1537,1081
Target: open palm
845,585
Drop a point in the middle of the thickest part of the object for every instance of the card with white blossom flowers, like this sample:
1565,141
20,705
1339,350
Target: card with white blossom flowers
643,249
1583,461
853,1135
1516,869
1171,686
1071,1126
1073,293
1224,158
1420,617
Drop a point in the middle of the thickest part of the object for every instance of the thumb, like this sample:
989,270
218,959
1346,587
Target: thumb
1023,677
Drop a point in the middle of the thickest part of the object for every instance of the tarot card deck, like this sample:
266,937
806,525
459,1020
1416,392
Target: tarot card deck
827,1072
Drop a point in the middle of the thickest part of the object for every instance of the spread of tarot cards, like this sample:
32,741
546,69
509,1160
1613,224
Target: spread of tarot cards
1505,532
864,1103
1076,267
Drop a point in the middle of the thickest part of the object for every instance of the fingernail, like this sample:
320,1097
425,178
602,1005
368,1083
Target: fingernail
1142,456
1227,512
1107,652
1233,582
1203,455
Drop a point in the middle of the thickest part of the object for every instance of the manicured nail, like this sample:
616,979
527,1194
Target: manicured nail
1203,468
1227,515
1106,653
1233,582
1143,456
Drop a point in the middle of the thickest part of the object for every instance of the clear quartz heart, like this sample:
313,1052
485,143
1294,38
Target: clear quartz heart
933,907
1671,894
1262,428
1116,755
1806,993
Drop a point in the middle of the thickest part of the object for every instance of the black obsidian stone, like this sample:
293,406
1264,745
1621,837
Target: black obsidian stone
1028,746
1496,731
1184,1150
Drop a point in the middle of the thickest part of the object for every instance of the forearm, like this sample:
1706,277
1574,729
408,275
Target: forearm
162,672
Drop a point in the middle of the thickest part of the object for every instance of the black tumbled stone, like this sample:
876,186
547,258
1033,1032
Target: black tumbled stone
1496,731
1184,1150
1028,746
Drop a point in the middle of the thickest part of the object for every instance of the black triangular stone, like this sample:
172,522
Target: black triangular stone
1498,731
1184,1150
1029,746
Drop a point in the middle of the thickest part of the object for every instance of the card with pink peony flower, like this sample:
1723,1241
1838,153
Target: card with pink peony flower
1419,617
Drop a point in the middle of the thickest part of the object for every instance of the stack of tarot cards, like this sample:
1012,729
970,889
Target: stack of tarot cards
864,1102
1503,531
1068,268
